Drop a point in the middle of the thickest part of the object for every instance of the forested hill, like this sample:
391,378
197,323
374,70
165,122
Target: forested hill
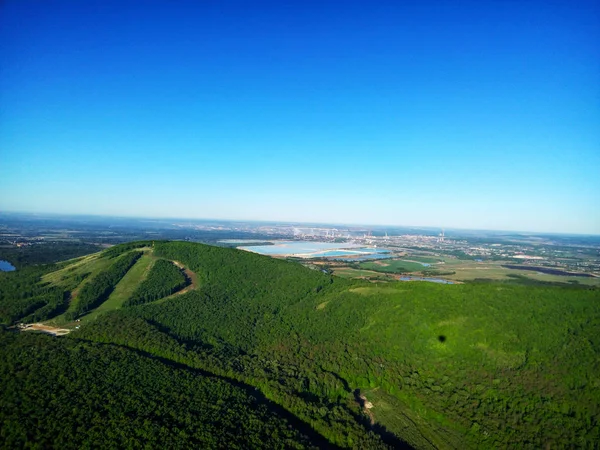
333,362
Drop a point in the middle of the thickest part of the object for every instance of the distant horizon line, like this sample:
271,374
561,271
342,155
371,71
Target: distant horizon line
289,222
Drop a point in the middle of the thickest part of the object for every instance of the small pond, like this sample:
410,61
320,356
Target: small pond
5,266
432,280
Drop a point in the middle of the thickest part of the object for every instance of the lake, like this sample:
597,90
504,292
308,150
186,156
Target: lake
360,254
296,248
432,280
5,266
309,249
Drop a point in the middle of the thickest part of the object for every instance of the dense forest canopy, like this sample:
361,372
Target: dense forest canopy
104,396
442,366
24,297
164,279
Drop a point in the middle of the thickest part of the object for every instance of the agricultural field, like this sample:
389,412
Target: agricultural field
493,270
425,259
394,266
349,272
454,269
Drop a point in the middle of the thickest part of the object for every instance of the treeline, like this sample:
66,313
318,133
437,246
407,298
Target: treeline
45,253
164,279
23,297
64,393
96,291
119,249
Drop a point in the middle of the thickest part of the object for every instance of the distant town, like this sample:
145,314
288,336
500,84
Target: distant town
372,252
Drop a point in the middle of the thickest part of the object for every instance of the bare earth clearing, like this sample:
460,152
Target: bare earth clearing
49,327
190,276
45,329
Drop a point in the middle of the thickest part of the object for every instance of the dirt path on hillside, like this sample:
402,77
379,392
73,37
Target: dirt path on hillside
45,329
191,276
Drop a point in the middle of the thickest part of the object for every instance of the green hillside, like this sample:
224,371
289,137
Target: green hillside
103,396
341,362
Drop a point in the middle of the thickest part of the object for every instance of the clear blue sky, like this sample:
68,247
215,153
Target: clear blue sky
482,114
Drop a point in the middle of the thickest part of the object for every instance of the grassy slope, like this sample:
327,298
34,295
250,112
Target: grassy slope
91,265
45,253
424,259
124,288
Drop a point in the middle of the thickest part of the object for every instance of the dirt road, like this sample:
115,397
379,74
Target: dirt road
45,329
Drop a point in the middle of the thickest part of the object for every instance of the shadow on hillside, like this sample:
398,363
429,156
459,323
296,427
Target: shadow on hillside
304,428
368,422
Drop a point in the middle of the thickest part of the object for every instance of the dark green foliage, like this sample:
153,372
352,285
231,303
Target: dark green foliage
476,365
499,341
437,273
45,253
99,288
119,249
164,279
102,396
24,298
336,418
244,290
394,266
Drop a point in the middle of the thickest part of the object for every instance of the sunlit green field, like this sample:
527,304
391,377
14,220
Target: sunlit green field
348,272
493,270
457,270
124,288
395,266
